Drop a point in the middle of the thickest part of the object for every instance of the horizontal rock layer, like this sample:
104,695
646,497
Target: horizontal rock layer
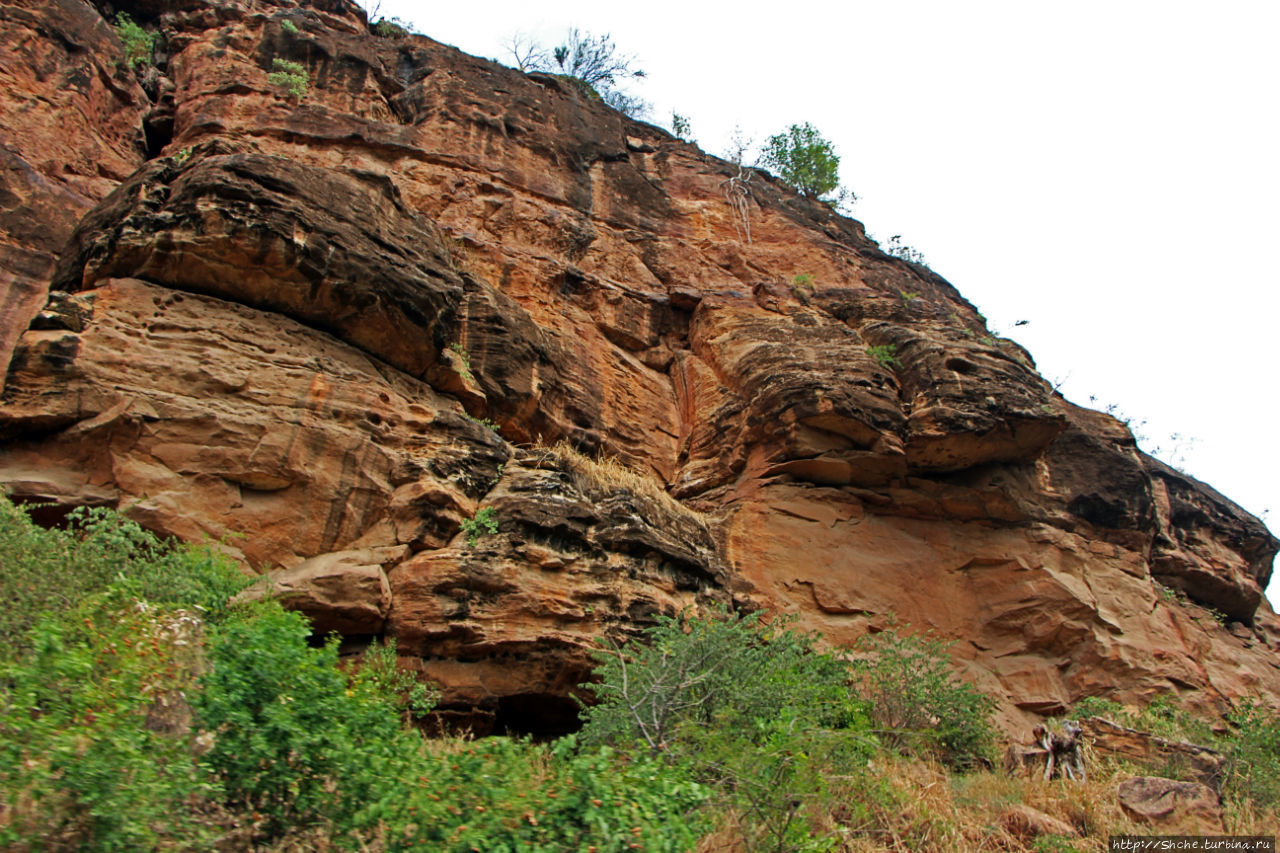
341,332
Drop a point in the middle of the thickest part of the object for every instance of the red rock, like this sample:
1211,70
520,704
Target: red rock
293,320
1028,823
1171,807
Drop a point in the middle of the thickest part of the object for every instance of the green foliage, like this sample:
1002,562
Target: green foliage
139,45
379,672
681,128
755,710
291,741
52,571
390,28
804,160
291,75
916,702
465,358
803,279
93,751
885,354
909,296
1253,756
505,795
484,523
289,27
696,670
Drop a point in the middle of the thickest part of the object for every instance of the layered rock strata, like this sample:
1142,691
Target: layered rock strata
338,332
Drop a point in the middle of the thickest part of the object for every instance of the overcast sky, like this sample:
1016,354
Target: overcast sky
1106,171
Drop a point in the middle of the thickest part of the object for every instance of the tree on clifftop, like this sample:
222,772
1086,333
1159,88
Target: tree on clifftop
806,161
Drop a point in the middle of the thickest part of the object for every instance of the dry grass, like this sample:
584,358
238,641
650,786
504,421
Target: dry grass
904,804
607,474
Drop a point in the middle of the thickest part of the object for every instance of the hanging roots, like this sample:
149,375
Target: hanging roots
738,194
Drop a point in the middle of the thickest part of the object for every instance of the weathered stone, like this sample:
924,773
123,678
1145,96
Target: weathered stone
1171,807
1190,761
345,591
1028,824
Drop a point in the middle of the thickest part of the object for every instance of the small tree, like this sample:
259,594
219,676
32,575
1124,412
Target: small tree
917,703
804,160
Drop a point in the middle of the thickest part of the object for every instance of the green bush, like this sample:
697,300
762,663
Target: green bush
139,45
390,28
484,523
292,740
916,702
752,709
886,355
291,75
94,750
804,160
723,667
53,571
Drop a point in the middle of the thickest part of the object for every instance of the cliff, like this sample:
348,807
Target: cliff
338,332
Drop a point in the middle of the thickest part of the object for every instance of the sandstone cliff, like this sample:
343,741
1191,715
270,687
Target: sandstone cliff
330,330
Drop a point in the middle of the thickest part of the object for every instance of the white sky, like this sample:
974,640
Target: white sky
1107,171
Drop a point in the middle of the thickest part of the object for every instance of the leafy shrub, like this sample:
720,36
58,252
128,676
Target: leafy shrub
804,160
485,522
380,673
886,355
390,28
139,45
917,703
509,795
291,75
680,127
898,249
289,27
696,670
293,740
94,753
53,571
753,709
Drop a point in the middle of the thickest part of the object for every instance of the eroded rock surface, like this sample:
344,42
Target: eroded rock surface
331,331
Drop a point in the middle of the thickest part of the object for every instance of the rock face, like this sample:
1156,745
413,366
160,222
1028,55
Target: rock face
1187,808
334,330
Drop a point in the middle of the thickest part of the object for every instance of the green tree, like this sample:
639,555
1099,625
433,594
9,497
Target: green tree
917,703
754,709
806,161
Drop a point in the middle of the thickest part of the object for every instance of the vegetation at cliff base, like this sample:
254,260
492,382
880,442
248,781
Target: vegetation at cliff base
141,710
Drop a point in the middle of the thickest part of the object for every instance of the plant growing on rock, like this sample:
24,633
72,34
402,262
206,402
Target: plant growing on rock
291,75
139,45
806,161
916,702
484,523
885,354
